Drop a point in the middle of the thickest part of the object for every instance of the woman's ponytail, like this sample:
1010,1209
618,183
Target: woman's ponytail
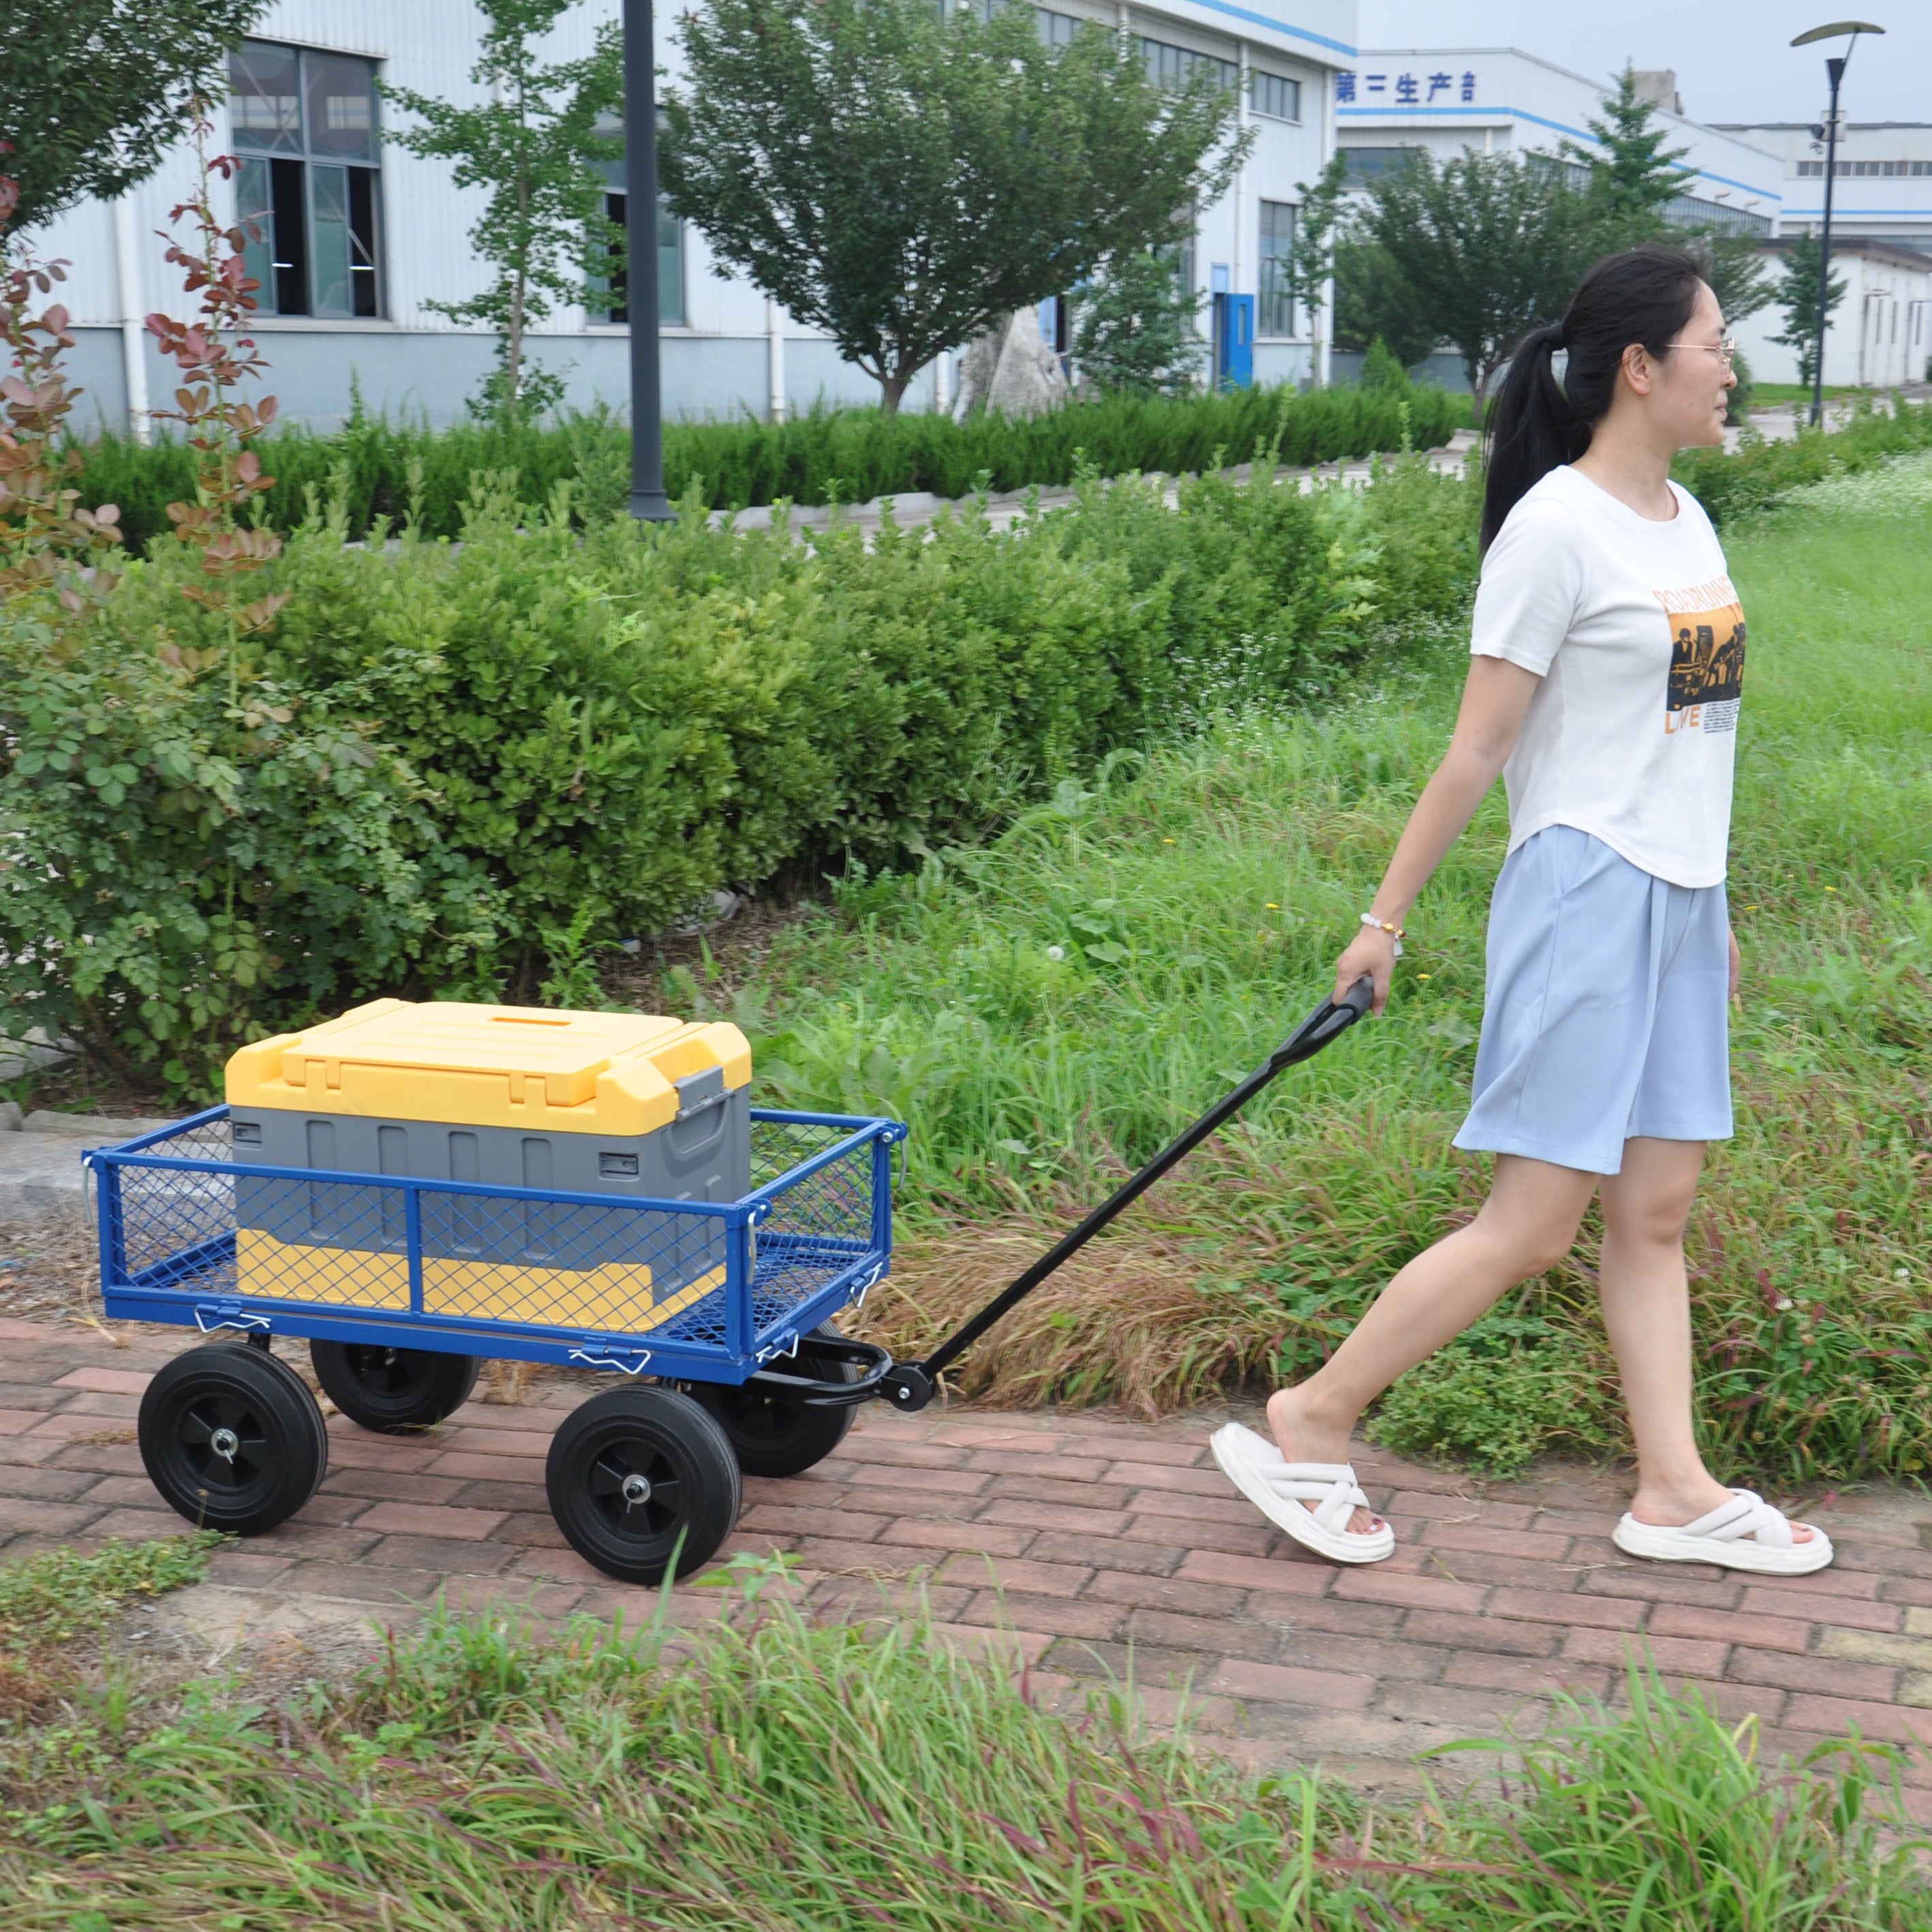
1538,422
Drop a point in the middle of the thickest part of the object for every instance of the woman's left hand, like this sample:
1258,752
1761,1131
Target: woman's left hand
1737,966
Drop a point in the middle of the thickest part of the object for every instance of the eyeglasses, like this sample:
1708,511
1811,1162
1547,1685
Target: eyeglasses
1725,351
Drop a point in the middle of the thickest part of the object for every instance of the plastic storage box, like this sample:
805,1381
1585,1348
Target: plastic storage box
633,1106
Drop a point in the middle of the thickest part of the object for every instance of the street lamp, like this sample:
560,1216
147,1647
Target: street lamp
640,264
1834,67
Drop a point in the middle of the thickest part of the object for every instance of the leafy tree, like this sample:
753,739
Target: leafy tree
1489,246
1798,296
1310,260
1734,265
1136,331
1632,176
92,92
1375,302
531,142
902,180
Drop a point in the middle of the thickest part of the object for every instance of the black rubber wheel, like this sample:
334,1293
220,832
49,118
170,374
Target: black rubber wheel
232,1438
774,1435
632,1471
393,1390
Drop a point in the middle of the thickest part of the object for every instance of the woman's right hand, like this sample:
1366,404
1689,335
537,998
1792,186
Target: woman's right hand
1372,952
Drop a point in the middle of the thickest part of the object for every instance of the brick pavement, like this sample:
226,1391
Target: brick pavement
1098,1546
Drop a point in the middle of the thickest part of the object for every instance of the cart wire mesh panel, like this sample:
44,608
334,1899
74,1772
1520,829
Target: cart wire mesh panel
190,1233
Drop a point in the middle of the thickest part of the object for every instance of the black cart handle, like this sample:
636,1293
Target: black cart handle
910,1385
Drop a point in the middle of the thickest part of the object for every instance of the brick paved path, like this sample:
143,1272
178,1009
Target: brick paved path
1104,1545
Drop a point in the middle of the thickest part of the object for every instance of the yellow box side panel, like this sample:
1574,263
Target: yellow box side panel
614,1298
295,1271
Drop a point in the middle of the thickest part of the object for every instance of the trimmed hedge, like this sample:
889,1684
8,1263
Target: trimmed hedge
407,472
450,767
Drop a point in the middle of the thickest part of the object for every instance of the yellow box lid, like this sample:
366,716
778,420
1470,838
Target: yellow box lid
489,1066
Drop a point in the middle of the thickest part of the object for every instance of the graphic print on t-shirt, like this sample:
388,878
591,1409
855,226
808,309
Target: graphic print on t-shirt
1707,656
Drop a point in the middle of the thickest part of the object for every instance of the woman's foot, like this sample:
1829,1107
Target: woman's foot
1301,1437
1660,1507
1742,1532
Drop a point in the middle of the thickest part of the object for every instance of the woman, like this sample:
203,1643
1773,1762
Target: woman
1607,659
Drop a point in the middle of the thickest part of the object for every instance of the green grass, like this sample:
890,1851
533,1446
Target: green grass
780,1774
58,1594
1763,393
1198,902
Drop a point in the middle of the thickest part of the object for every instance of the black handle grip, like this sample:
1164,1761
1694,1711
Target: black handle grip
1329,1021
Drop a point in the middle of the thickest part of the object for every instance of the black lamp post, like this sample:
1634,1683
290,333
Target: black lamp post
640,263
1834,67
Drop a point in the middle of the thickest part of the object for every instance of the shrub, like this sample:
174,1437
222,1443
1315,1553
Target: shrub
1732,486
410,471
1498,1394
430,761
188,859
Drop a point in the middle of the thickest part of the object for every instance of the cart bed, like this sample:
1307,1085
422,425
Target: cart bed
813,1235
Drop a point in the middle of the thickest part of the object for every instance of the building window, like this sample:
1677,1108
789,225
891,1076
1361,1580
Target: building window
607,302
1367,165
1055,30
1270,94
1688,211
1176,66
615,307
306,134
1275,289
1860,170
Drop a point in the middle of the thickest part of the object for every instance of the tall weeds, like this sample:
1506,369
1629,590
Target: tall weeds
775,1774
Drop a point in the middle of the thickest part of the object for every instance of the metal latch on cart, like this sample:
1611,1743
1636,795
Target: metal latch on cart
628,1360
210,1316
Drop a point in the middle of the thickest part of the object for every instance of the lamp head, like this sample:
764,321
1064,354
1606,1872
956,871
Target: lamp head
1838,27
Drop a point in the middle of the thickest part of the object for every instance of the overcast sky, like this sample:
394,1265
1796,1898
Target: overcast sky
1733,61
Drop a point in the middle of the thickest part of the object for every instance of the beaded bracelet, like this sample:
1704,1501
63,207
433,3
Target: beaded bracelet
1382,925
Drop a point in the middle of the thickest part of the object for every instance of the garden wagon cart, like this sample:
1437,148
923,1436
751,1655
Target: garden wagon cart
726,1360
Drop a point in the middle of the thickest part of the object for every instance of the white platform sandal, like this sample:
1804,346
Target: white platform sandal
1278,1489
1746,1533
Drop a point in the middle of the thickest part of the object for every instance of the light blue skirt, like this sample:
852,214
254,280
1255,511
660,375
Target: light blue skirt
1605,1008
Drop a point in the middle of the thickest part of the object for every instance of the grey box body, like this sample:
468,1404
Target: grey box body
705,1154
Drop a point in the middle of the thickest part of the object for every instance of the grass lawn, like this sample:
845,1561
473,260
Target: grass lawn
1770,394
778,1775
1049,1009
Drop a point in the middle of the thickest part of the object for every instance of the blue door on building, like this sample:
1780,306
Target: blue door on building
1234,342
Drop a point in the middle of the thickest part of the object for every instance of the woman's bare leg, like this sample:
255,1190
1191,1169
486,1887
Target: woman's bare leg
1527,1224
1646,1300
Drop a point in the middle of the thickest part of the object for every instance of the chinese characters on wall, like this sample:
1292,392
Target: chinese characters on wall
1406,90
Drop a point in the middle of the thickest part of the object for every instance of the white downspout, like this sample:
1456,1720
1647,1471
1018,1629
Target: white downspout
1235,285
133,356
942,383
775,363
1331,139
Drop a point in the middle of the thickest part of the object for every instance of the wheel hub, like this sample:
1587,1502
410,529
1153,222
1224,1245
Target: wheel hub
637,1490
225,1444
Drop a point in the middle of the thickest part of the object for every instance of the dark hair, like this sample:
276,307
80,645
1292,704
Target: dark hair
1643,295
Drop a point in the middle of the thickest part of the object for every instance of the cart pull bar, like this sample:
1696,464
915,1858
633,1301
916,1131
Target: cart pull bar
910,1385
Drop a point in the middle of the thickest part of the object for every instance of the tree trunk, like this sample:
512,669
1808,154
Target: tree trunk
891,388
513,354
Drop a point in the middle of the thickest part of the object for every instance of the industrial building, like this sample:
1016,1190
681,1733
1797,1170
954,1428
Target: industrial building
363,236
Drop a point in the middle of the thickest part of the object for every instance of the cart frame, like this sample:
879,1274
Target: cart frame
183,1287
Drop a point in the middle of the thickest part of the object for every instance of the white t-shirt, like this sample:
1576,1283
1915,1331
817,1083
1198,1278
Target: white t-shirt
1638,639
